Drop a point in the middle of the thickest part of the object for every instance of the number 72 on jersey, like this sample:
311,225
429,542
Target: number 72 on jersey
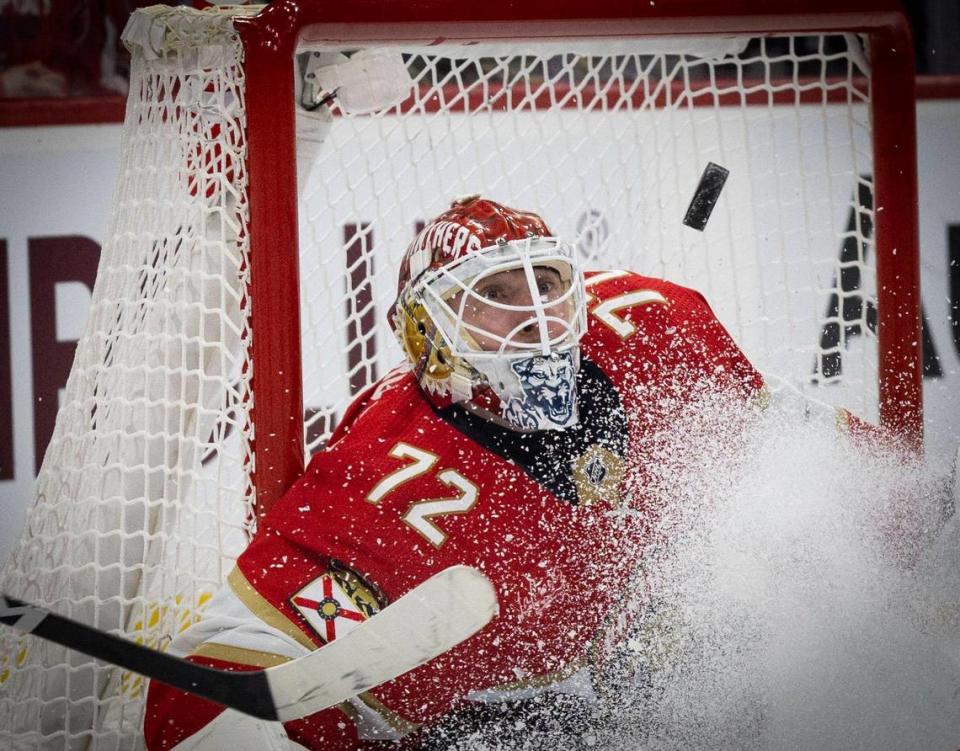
421,513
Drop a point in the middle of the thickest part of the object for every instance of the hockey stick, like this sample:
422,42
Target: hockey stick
427,621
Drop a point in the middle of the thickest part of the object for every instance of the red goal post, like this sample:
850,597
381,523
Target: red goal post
252,253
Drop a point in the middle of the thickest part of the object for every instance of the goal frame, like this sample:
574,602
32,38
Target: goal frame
270,40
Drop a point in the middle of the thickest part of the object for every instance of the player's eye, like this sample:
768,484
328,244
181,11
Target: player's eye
549,287
493,292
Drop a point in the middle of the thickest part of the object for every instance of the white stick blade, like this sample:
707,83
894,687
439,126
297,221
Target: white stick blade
427,621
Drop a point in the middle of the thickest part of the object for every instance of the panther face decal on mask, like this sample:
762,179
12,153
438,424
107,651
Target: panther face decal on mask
548,386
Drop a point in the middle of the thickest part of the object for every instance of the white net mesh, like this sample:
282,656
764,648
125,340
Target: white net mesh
145,496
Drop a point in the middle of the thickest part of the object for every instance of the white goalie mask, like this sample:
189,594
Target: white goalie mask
496,326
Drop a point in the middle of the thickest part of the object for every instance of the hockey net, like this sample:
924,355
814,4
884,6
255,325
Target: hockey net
149,487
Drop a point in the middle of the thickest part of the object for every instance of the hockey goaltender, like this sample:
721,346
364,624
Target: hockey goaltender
515,441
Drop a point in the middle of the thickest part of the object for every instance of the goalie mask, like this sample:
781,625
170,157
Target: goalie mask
490,311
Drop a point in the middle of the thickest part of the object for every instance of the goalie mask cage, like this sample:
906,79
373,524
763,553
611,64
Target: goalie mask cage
181,417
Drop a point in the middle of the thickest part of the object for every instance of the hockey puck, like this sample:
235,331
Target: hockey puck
705,198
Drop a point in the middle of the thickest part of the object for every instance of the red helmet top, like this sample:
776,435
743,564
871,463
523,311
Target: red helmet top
471,223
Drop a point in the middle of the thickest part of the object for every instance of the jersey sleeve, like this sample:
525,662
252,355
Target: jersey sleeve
723,355
663,333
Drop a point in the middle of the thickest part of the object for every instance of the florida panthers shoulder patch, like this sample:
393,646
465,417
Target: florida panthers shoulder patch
337,602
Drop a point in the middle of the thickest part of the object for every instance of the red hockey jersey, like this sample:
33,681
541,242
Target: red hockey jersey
404,491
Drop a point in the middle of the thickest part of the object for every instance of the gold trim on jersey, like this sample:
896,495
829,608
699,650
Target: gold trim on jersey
391,717
597,473
541,681
240,655
351,712
265,611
